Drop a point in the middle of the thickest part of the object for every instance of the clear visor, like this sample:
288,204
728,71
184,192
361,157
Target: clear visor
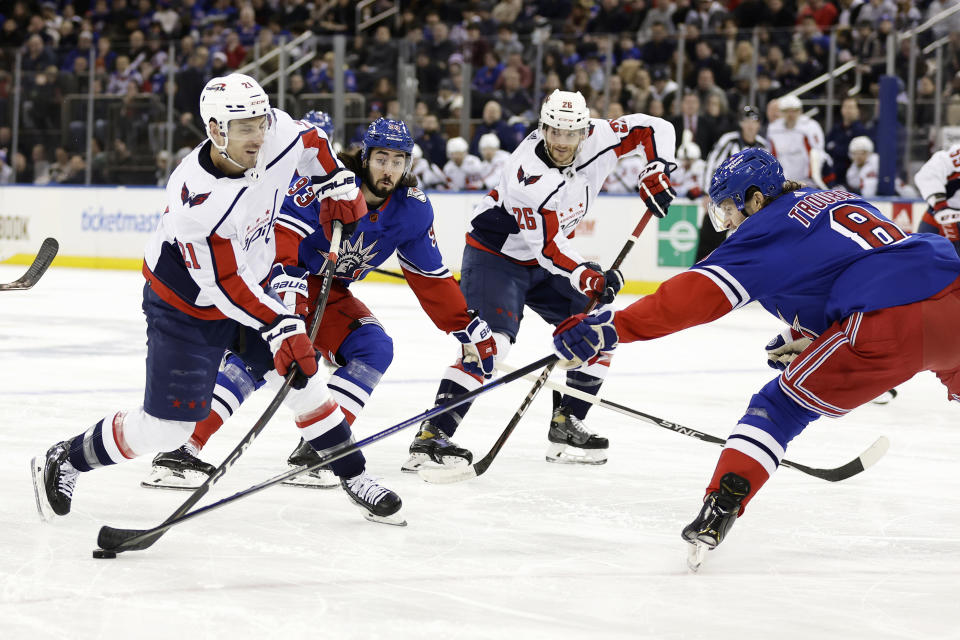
718,213
249,129
391,162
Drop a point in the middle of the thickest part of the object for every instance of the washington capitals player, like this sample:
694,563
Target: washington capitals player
873,306
938,181
519,253
350,337
206,266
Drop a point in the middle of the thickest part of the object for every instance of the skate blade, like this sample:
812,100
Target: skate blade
885,397
421,461
567,454
36,471
324,480
163,478
695,555
394,520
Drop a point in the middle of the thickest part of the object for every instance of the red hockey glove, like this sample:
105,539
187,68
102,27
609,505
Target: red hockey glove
479,347
341,200
655,188
290,344
591,282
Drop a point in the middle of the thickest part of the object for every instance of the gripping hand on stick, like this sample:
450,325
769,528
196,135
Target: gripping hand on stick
479,347
289,343
583,338
341,200
655,188
785,347
603,286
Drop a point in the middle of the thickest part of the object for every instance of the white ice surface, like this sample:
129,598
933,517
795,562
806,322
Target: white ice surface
528,550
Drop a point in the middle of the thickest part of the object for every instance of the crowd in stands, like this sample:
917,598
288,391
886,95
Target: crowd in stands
623,55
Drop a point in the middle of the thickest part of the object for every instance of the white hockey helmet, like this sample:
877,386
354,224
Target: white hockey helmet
789,102
417,152
489,141
457,145
860,143
565,110
689,151
233,97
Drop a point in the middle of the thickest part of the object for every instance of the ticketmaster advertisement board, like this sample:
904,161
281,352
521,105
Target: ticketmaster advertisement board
107,227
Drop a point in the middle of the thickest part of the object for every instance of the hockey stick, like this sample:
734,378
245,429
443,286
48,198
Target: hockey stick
117,540
392,274
865,460
46,254
107,540
442,475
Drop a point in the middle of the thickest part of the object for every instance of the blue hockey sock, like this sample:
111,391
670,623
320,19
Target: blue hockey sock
581,382
348,466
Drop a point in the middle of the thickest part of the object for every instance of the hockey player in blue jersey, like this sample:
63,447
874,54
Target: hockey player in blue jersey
205,267
871,304
400,221
519,254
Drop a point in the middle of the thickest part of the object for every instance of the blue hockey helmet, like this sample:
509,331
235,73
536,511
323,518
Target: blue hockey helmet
384,133
320,119
740,172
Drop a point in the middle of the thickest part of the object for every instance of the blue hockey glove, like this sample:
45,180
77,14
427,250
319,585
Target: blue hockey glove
479,347
785,347
655,188
589,280
583,338
290,283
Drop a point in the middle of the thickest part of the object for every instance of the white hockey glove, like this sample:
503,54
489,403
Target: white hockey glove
479,347
340,199
290,283
785,347
583,338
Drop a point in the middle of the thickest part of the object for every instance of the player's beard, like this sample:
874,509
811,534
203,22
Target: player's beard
372,186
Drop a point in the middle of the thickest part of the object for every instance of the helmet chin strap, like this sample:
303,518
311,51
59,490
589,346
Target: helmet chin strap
576,152
253,173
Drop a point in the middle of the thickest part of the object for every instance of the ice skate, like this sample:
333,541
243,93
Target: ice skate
719,511
303,456
53,481
572,443
178,469
432,447
885,397
378,503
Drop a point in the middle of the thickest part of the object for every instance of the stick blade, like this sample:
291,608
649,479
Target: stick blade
449,475
112,539
874,452
46,254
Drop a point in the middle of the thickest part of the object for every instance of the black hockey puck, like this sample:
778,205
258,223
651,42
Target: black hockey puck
103,553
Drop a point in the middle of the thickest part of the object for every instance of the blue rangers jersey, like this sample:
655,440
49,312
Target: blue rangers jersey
403,223
811,258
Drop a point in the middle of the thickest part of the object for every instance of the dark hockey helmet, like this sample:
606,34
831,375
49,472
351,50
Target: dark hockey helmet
384,133
321,120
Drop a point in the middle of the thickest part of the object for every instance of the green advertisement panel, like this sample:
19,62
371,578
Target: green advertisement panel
677,236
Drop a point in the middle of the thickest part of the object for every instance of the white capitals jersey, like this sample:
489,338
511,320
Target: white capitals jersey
623,178
864,180
468,175
797,148
688,183
214,247
492,168
530,216
941,174
429,175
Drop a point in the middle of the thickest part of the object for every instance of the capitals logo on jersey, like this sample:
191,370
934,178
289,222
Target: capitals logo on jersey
193,198
525,179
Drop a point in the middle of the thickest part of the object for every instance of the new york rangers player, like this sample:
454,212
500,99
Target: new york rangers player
400,221
872,304
519,253
206,267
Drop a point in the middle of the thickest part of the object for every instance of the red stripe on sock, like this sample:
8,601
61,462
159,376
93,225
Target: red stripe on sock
320,413
734,461
118,438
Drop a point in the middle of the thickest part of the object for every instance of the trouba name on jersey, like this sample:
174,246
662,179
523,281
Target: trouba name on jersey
259,229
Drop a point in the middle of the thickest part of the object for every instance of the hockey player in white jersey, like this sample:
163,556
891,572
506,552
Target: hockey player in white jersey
519,254
429,175
938,181
687,179
863,174
493,159
464,171
206,267
797,142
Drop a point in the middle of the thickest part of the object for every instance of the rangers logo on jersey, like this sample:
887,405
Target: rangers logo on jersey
193,198
355,259
413,192
525,179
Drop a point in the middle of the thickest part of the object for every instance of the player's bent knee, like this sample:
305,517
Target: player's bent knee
145,433
774,412
370,345
306,400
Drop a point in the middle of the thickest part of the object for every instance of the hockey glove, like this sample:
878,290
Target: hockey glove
785,347
340,199
655,188
582,338
289,343
591,282
946,219
290,283
479,347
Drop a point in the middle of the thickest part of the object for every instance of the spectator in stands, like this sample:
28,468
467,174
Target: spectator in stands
838,139
707,15
82,49
485,79
122,76
60,167
664,89
235,51
382,53
707,87
494,123
190,83
659,49
106,57
524,73
507,42
514,99
37,57
703,129
433,142
824,13
76,173
429,74
441,47
41,165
